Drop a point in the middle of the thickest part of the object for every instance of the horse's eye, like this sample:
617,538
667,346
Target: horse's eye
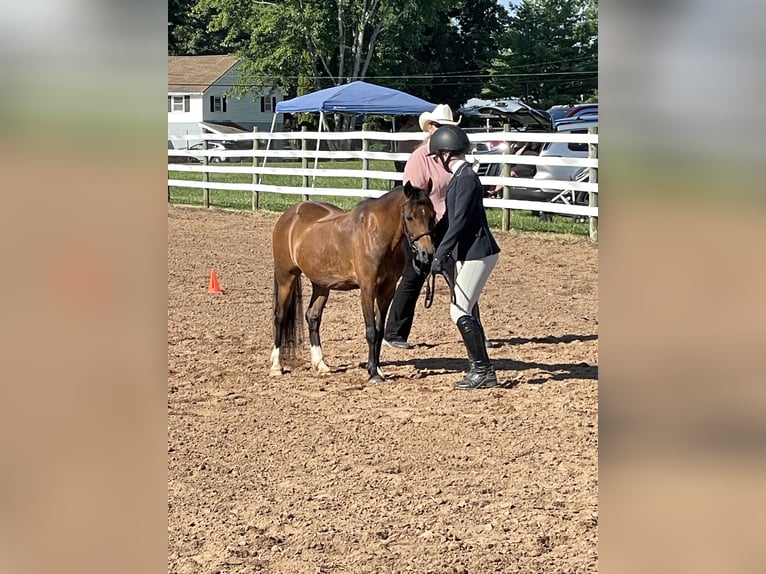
410,218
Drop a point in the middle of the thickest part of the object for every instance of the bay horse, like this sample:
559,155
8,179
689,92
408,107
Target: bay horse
338,250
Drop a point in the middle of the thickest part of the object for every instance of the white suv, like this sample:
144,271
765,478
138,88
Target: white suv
564,149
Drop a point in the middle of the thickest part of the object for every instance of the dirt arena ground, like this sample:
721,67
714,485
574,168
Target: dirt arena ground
307,474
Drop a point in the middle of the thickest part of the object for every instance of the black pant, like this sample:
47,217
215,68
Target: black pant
402,311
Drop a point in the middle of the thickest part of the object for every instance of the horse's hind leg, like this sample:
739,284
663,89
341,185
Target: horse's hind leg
286,300
319,297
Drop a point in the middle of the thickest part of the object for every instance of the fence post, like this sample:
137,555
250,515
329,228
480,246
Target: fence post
506,220
365,161
205,177
593,197
304,161
256,196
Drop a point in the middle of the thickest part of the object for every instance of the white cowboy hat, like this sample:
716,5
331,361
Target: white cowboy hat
442,114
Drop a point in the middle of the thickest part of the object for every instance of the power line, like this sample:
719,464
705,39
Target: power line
532,75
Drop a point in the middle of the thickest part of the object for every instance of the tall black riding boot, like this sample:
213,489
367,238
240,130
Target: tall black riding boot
482,374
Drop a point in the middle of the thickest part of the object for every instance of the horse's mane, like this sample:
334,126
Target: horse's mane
370,202
395,196
422,196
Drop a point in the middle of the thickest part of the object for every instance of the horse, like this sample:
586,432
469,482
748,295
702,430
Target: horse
344,250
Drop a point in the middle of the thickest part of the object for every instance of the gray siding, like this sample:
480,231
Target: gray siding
245,111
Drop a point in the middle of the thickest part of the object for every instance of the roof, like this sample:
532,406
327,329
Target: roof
223,127
357,98
195,74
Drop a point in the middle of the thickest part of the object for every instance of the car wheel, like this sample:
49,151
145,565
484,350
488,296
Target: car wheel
545,216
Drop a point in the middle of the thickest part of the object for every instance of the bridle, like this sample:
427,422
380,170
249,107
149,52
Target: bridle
431,280
411,239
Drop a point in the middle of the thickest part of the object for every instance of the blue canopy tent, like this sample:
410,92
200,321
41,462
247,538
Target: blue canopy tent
353,98
357,98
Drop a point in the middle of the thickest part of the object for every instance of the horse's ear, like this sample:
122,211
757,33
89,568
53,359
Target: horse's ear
429,186
409,191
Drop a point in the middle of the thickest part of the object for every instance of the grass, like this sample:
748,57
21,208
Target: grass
278,202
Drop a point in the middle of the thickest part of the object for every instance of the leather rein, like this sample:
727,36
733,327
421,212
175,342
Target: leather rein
431,287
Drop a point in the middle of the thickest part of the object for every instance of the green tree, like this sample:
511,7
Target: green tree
550,53
462,49
187,32
433,50
301,44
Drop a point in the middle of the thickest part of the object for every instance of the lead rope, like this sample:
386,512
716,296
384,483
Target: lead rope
431,288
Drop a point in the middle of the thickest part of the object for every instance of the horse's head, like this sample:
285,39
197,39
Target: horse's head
418,222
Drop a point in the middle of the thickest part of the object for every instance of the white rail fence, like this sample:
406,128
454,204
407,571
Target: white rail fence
306,149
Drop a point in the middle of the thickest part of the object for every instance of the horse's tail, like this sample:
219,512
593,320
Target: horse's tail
292,332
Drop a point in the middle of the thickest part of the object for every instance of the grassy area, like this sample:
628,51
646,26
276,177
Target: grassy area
277,202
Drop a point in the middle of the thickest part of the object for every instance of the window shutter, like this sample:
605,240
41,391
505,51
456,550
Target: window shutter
187,103
212,103
223,104
263,104
273,104
170,103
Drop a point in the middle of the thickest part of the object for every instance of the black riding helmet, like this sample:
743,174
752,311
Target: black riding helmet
450,139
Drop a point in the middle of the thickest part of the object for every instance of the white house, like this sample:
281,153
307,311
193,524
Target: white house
200,100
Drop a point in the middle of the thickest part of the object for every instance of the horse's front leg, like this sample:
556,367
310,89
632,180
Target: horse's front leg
319,297
374,334
382,303
375,322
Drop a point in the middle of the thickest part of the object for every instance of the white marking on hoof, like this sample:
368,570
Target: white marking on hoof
317,360
276,365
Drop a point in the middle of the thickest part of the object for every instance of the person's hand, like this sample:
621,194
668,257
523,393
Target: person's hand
437,266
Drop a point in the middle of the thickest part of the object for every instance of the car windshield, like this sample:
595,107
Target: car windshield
558,113
210,145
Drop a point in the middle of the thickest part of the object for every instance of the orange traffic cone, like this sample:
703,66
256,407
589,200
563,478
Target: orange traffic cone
213,286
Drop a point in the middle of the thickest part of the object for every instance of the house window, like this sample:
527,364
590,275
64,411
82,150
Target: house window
268,104
218,103
179,104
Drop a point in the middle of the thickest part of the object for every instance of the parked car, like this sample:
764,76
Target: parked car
211,145
564,149
576,112
548,172
490,115
493,114
558,112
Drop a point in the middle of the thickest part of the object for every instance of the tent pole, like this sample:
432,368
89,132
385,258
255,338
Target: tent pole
394,143
268,141
319,141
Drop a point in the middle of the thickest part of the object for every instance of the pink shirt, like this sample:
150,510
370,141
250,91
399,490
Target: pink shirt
419,168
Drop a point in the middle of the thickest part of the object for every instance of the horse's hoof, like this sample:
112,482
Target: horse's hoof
322,369
377,379
276,372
